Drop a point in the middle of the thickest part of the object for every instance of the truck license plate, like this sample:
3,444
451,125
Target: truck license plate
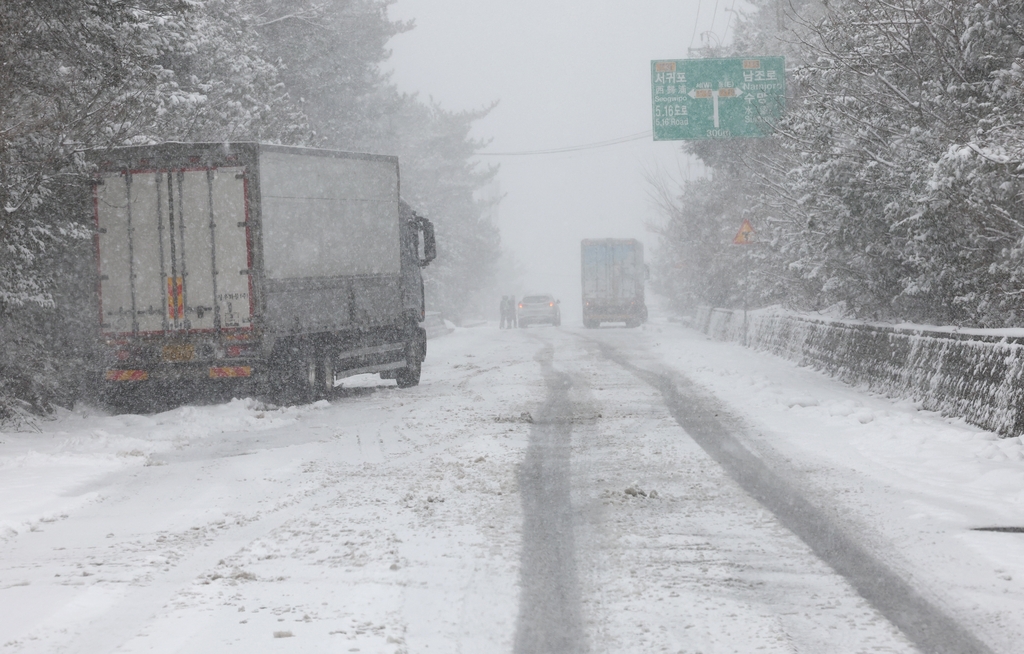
179,352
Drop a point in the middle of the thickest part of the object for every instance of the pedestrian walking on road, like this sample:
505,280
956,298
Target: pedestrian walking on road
504,312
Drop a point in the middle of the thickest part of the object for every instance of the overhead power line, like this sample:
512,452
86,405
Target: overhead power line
696,21
571,148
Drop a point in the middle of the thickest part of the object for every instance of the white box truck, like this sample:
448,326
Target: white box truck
278,266
613,273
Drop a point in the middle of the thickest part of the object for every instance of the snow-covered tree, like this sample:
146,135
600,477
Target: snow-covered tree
893,182
330,54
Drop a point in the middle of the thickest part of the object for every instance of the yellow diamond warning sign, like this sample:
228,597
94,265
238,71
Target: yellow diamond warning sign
746,234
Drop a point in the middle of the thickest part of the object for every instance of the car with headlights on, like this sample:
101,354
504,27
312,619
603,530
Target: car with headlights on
534,309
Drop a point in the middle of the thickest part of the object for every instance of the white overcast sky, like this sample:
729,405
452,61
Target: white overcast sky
564,73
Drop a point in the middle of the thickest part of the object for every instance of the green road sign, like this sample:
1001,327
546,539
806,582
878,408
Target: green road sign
696,99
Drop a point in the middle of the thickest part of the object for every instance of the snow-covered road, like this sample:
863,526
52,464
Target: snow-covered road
533,494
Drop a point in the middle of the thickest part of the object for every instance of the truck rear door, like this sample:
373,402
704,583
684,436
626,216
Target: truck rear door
594,271
624,272
173,250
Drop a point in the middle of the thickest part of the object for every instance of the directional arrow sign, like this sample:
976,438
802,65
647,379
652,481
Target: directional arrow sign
746,97
714,94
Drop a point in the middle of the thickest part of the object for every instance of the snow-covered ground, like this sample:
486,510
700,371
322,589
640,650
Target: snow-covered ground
392,520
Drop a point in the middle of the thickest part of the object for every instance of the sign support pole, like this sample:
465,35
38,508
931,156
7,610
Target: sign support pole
746,290
745,237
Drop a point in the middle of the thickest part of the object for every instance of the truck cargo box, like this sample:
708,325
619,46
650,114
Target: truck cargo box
199,244
195,237
612,277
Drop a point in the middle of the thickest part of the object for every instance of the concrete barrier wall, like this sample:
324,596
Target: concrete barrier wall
974,376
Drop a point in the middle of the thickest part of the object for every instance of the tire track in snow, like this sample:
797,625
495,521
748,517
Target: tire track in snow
925,624
131,610
550,615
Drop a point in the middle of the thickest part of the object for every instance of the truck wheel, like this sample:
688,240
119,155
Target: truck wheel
304,383
325,375
294,377
415,352
408,376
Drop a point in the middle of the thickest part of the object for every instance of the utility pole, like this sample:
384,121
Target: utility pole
745,237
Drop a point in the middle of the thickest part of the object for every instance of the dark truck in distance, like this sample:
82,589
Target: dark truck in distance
277,267
613,275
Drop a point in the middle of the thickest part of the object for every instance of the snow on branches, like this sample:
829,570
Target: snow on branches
894,182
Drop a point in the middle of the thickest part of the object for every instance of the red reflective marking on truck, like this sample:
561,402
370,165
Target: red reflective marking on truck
230,371
175,298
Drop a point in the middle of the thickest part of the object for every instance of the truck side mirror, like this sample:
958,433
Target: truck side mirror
429,242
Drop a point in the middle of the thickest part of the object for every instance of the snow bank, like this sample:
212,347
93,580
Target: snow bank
45,476
975,376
